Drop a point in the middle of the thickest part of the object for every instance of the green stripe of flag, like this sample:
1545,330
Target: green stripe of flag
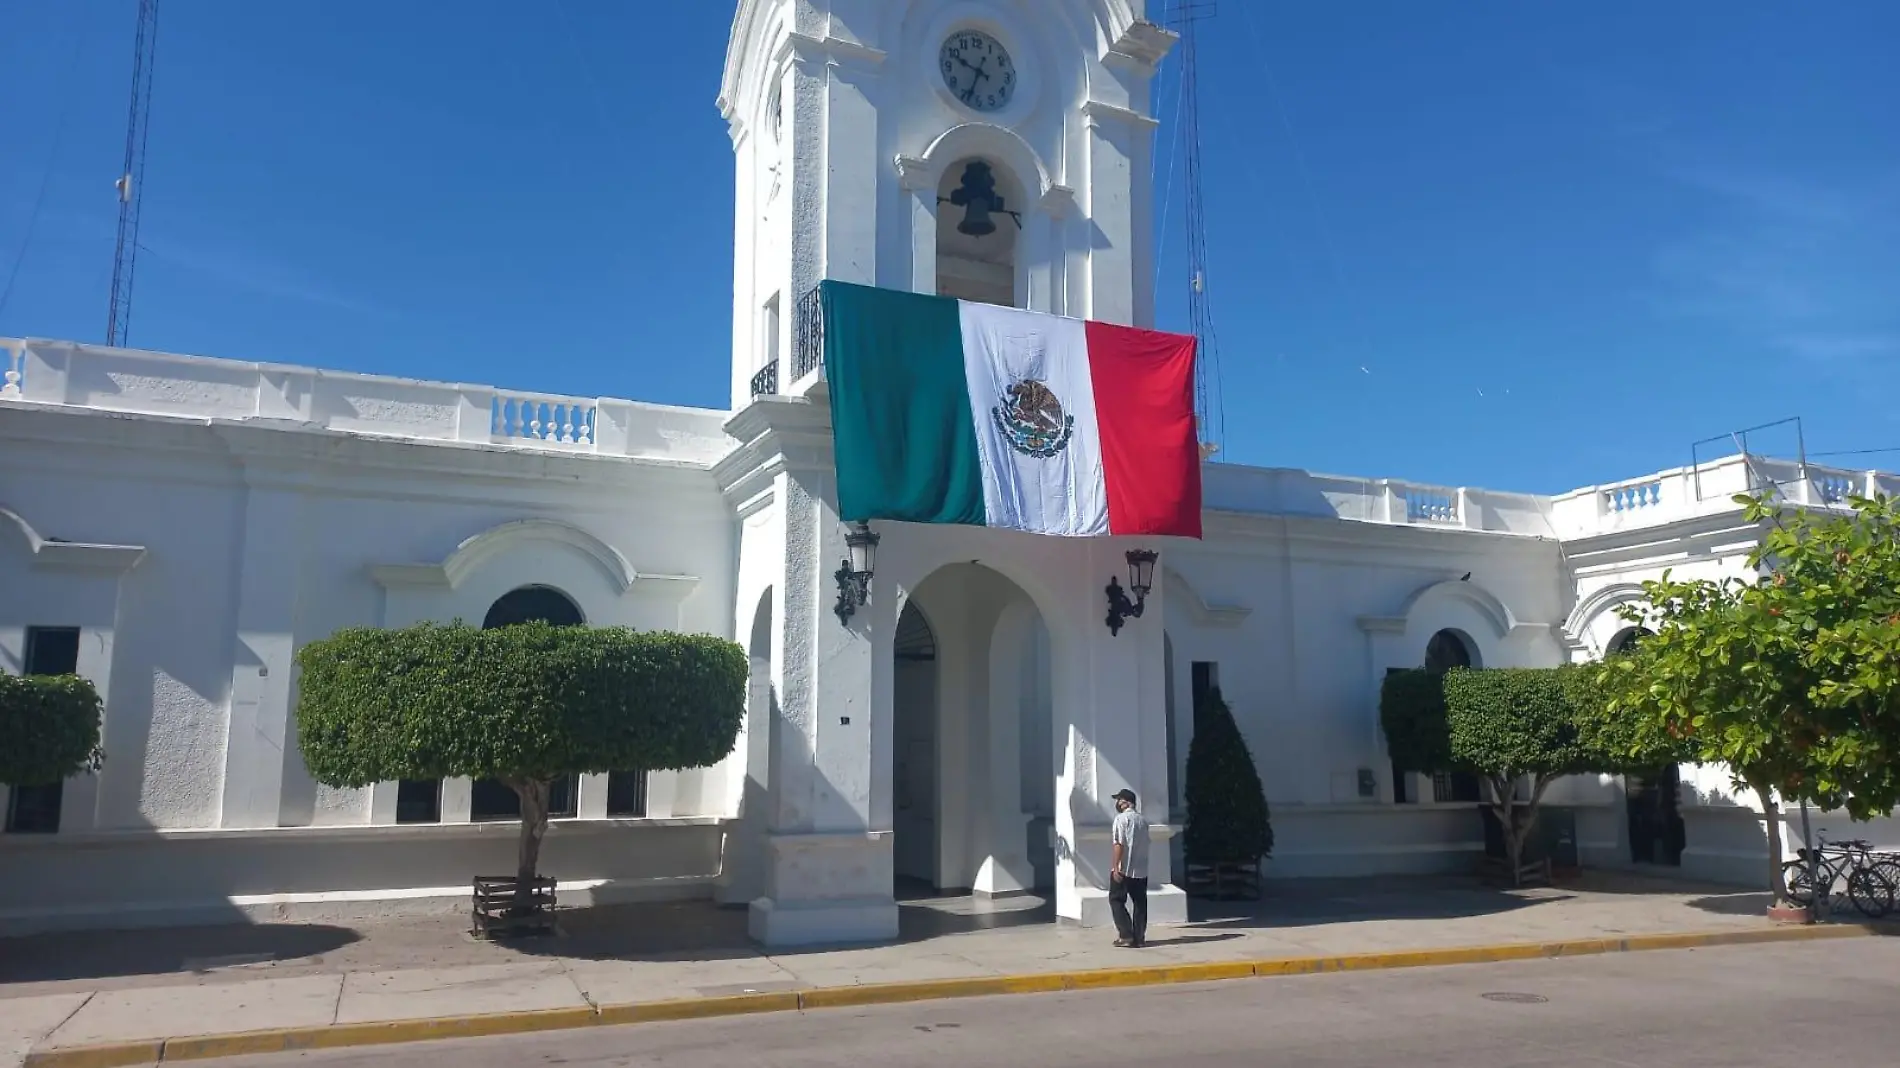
900,407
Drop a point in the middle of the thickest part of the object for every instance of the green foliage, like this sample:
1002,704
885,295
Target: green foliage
1792,680
1227,817
1515,721
1412,712
526,702
49,728
1504,724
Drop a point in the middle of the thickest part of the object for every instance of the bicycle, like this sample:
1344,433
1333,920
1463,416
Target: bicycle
1871,883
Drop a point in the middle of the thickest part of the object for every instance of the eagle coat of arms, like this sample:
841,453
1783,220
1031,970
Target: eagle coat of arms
1032,419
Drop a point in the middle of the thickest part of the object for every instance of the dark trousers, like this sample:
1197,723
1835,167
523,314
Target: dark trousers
1121,892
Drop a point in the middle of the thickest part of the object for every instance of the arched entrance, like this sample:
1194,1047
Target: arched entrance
1654,797
742,876
973,739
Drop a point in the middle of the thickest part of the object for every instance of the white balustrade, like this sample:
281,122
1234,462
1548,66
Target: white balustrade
1430,504
543,418
1833,487
1630,497
62,373
16,355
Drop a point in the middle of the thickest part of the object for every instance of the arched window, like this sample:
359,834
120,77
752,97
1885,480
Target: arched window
420,801
1448,649
533,604
1626,640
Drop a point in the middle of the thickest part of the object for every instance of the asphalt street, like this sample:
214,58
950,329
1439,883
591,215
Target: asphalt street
1735,1007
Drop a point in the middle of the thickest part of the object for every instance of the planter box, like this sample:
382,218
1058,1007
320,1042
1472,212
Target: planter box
1225,882
500,909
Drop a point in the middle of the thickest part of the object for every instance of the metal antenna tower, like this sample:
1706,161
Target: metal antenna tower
137,126
1208,410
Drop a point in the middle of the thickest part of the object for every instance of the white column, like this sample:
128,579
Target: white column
829,862
1006,868
919,180
260,738
1116,739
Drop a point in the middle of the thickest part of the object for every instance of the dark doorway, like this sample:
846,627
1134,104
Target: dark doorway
1655,816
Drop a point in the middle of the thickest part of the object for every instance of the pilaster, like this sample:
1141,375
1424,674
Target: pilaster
260,740
1113,153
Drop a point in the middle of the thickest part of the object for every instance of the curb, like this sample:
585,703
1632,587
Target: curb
338,1036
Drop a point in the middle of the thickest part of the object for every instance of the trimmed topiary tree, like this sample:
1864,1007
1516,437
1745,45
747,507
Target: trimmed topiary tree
1412,713
1502,724
49,728
524,704
1227,818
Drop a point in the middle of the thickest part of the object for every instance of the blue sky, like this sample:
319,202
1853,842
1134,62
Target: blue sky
1525,246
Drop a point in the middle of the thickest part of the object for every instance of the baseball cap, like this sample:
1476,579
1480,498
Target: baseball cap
1125,795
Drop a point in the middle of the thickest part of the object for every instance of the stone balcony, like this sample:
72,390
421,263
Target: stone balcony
135,382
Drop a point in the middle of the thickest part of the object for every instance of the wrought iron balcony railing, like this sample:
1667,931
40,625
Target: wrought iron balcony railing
808,334
765,382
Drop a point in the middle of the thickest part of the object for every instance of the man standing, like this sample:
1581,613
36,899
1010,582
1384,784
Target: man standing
1128,871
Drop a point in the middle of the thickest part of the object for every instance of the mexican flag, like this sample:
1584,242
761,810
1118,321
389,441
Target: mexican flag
951,411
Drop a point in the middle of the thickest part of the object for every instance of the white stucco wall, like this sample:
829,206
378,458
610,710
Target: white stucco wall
255,541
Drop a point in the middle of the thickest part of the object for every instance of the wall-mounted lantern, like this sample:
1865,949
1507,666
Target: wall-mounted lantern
854,577
1141,571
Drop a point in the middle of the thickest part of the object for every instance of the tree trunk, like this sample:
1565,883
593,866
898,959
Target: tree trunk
1771,819
534,827
1516,833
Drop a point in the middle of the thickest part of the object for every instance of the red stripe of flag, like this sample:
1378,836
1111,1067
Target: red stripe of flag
1151,450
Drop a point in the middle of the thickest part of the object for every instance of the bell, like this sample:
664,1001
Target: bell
977,197
976,220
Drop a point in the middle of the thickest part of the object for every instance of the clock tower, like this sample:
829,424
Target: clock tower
987,150
994,150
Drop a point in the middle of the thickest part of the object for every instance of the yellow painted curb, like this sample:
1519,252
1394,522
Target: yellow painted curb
114,1055
698,1008
336,1036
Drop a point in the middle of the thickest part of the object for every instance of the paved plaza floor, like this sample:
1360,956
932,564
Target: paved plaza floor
85,988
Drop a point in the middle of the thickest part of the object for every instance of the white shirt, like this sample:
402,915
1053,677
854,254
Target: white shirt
1131,833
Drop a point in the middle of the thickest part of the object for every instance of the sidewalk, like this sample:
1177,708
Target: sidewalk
70,990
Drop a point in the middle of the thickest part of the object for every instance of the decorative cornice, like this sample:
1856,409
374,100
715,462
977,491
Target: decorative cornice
1140,48
468,557
833,51
52,554
1100,113
915,174
778,434
1058,201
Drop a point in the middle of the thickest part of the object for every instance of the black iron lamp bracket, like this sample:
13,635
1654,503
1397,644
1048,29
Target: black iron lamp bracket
1120,608
854,591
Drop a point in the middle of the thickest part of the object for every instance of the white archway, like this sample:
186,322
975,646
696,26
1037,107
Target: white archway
973,739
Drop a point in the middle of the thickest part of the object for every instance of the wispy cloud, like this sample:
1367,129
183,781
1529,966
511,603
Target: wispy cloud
247,268
1807,266
235,264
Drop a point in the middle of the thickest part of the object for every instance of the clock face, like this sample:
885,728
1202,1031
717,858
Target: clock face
978,71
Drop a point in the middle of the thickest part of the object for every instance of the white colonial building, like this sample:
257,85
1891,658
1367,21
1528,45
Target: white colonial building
175,527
